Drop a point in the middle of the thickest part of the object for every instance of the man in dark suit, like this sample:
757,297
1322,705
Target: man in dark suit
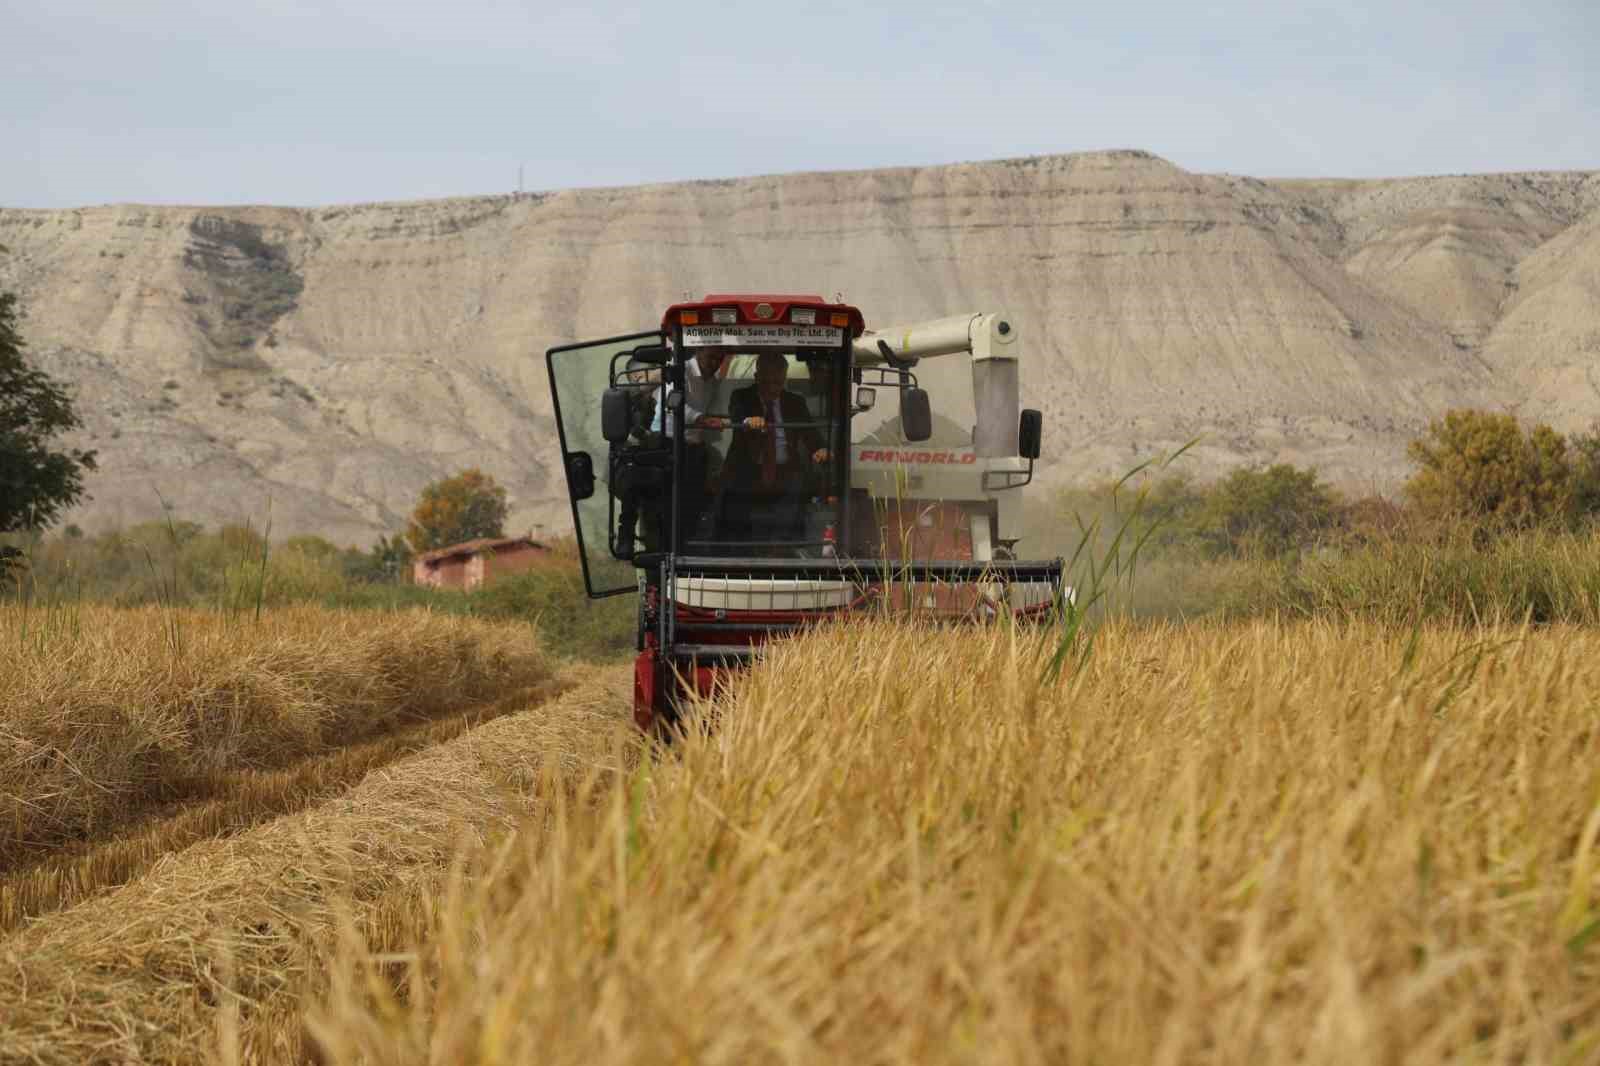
774,456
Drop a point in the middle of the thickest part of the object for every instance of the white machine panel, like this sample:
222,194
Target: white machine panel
762,336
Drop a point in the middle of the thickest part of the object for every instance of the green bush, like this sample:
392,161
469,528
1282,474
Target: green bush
1254,512
1278,542
555,599
1250,513
1583,454
314,546
1483,468
1373,520
1538,575
552,598
235,570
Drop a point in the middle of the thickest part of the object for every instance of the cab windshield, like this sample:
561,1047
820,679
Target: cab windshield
761,465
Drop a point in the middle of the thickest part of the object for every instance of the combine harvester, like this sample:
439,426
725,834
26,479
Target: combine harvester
772,510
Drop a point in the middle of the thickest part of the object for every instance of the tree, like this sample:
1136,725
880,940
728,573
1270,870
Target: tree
311,546
455,509
1481,466
1583,453
11,562
1271,511
388,560
37,482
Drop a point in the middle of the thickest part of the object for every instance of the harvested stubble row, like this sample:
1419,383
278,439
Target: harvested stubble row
224,938
1263,843
125,711
243,799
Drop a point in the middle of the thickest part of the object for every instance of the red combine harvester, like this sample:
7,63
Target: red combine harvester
723,468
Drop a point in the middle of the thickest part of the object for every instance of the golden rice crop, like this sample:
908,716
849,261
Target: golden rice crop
240,800
106,713
1266,842
219,943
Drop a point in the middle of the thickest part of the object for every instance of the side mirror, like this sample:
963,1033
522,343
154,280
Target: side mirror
916,414
614,415
651,354
1029,430
580,475
866,397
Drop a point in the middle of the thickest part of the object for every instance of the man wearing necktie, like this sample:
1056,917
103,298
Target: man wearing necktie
773,455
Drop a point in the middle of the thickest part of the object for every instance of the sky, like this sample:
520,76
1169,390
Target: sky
297,102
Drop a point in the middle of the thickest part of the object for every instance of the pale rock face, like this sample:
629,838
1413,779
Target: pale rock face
335,360
1548,338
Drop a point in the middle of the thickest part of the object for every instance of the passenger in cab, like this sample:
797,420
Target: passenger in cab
819,388
700,375
700,379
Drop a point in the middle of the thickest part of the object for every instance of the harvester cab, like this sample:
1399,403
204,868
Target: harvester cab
740,468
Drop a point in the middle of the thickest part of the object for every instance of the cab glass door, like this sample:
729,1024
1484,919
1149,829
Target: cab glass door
579,376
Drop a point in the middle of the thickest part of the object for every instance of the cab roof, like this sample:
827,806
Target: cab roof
775,305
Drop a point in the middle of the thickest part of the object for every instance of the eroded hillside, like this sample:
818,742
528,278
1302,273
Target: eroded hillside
335,359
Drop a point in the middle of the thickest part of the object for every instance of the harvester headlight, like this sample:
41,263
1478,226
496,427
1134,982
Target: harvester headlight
725,316
803,316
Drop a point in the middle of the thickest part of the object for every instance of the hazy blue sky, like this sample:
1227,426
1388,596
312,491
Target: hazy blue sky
302,102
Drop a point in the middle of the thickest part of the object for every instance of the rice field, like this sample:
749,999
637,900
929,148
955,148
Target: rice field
109,716
1269,841
1246,843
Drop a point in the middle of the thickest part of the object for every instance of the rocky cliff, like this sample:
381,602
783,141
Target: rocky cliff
334,360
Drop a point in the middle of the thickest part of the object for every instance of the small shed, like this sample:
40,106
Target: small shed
475,563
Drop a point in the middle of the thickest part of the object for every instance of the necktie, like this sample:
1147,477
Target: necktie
769,456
